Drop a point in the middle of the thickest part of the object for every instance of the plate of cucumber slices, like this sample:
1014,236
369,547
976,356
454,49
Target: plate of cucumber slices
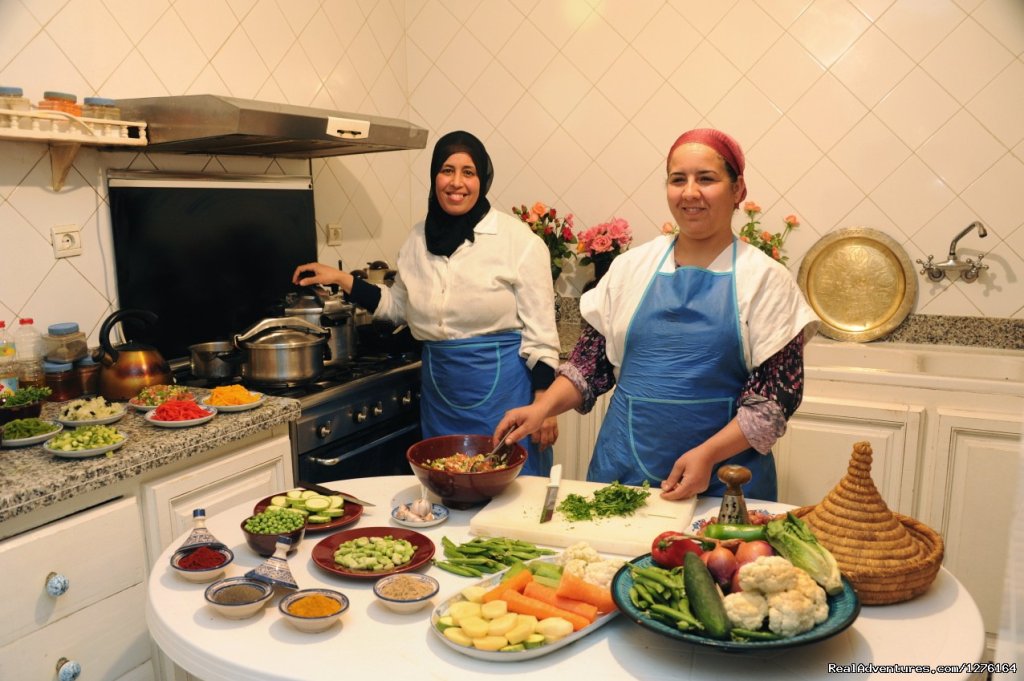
322,513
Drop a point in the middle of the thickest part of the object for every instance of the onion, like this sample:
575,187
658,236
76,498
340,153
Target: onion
750,551
721,564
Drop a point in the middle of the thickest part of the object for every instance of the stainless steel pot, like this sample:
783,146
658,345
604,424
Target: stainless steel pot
333,314
216,359
283,351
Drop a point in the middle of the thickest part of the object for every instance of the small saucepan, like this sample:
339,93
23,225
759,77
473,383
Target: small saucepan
216,359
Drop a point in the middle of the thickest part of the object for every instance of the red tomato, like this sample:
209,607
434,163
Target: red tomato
668,549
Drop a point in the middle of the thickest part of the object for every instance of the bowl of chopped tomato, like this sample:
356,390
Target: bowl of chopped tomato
180,414
449,466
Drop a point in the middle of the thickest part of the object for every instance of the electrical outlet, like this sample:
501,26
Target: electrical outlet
333,234
66,240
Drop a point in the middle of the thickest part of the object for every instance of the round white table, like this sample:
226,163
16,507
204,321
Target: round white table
941,627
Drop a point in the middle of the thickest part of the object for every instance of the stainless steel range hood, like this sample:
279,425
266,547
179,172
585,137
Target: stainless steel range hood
212,124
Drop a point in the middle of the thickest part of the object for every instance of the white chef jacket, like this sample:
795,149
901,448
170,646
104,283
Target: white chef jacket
499,282
771,306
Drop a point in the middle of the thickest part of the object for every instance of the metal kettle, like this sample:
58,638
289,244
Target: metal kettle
130,367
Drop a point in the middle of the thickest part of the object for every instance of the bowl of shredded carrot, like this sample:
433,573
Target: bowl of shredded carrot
233,398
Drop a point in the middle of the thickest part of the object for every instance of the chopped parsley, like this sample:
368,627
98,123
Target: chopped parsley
614,500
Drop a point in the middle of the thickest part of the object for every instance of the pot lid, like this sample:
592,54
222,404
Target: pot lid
269,333
280,339
304,305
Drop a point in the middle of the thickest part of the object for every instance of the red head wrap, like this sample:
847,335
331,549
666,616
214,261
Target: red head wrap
726,146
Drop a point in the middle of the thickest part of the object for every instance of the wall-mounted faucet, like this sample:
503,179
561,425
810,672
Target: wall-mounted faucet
968,269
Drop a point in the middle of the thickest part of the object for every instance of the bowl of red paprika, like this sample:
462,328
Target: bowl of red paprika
203,563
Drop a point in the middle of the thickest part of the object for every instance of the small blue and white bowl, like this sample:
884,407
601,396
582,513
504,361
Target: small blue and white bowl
261,592
202,574
439,512
313,625
426,587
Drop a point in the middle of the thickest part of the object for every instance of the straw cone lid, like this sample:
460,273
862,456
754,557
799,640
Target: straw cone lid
887,556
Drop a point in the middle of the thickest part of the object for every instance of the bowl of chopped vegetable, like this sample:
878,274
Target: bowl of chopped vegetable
27,432
262,530
449,466
23,403
405,592
313,610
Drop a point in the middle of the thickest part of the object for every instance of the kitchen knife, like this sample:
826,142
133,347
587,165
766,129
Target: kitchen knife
320,489
551,495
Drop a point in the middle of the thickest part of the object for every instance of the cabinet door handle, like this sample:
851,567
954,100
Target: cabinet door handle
57,584
68,670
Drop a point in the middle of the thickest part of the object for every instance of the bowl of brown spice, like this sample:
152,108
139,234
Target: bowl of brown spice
405,592
238,597
313,610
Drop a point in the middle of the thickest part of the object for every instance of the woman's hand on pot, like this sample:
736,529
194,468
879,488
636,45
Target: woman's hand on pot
317,273
548,433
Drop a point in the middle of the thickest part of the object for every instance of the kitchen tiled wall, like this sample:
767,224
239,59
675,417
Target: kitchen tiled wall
901,115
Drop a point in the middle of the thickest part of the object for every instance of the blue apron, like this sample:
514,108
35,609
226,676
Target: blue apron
469,384
681,376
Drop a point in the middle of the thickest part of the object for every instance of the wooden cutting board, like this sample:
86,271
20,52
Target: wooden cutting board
516,513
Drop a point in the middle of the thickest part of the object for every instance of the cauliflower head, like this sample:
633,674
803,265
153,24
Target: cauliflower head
790,612
746,609
578,551
601,572
806,585
576,567
768,574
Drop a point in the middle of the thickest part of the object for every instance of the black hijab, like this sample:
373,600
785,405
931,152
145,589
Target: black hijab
446,232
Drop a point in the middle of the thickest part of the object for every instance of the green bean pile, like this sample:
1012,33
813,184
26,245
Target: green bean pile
483,555
19,429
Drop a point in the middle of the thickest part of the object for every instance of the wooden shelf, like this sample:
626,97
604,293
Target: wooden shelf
40,126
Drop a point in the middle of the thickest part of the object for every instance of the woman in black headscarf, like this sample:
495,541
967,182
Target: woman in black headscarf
474,285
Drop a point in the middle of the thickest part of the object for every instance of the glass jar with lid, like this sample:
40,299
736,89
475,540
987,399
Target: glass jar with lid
61,379
63,342
88,373
102,108
13,99
62,102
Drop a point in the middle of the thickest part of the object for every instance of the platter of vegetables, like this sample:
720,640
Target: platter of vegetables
94,411
27,432
530,609
233,398
738,587
80,443
180,414
372,552
321,513
152,396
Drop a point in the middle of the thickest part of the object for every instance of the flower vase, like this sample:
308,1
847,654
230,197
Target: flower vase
601,266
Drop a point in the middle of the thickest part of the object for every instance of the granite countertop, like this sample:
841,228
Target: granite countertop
980,332
32,478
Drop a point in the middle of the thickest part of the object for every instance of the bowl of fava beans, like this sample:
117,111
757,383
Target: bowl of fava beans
262,530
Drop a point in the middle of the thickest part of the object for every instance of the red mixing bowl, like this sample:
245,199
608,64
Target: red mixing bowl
462,490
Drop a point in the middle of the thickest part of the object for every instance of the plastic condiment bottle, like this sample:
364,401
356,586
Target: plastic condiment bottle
28,346
8,367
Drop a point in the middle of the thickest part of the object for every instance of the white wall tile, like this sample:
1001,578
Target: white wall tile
629,18
1003,19
629,158
136,18
704,77
912,179
827,112
527,53
1000,104
785,72
744,34
526,122
665,116
492,24
872,66
966,61
16,31
961,151
667,39
25,259
594,123
173,54
785,12
824,196
594,47
872,9
495,92
994,195
828,28
916,108
629,82
918,26
323,49
869,153
560,87
784,154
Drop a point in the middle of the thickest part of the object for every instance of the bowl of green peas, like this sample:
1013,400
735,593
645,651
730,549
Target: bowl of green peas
262,530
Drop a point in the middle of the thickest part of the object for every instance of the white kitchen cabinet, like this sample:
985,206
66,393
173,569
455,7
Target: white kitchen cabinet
98,621
259,470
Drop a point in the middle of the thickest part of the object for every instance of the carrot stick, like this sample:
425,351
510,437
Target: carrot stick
516,582
548,595
573,587
524,605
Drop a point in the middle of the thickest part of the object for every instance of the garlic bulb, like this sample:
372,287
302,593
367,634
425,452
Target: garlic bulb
422,507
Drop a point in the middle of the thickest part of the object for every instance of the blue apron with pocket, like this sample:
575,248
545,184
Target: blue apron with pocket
469,384
681,376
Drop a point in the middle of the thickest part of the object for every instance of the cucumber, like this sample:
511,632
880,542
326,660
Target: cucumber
294,494
534,641
514,569
279,501
316,504
445,622
337,502
333,512
542,569
514,648
705,600
544,580
317,518
309,494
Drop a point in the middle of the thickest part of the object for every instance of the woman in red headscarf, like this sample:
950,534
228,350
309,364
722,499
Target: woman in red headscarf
701,334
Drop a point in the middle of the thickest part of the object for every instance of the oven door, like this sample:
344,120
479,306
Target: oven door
376,451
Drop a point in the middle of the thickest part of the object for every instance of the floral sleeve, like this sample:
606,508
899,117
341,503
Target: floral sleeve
588,368
771,395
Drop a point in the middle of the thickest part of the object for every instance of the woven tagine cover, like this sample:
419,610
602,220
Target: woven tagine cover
888,557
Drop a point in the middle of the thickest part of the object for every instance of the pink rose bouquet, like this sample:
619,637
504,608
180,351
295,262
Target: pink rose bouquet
605,241
555,231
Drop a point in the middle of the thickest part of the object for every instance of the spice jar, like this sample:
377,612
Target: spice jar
88,373
61,379
103,109
13,99
63,342
63,102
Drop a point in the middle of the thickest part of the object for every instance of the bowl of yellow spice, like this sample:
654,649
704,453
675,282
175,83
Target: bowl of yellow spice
313,610
233,398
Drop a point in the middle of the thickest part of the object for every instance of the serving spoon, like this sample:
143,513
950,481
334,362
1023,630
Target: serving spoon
493,456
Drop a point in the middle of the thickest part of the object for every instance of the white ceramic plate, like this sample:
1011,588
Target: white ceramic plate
105,421
35,439
440,515
236,407
142,407
529,653
181,424
84,453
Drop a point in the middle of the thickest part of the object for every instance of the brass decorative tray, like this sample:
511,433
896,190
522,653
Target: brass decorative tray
860,282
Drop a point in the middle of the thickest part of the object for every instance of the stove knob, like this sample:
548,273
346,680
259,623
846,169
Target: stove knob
407,398
378,409
324,430
361,415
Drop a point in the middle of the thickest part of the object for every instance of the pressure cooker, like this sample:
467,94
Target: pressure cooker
283,351
329,311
